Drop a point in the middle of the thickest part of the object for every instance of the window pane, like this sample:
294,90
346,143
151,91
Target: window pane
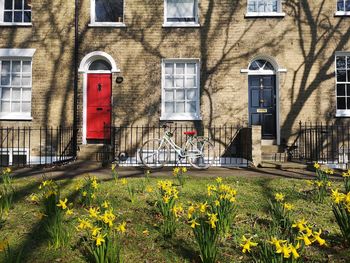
340,5
180,10
5,80
109,10
341,62
16,66
7,16
169,68
180,68
26,107
341,103
8,4
191,107
341,75
191,94
17,16
26,80
26,4
169,82
180,107
27,66
191,82
347,5
169,95
5,106
341,90
16,80
15,107
191,68
27,17
16,94
26,94
348,90
100,65
179,82
5,67
252,6
5,94
348,103
18,4
180,95
169,107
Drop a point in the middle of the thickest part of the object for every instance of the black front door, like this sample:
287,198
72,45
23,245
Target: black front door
262,104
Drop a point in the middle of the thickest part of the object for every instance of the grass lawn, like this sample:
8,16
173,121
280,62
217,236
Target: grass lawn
23,229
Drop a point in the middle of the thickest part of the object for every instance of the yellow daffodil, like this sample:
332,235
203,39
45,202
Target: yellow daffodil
217,203
288,206
285,250
34,198
113,166
304,237
124,181
176,171
94,184
277,243
279,197
218,180
319,183
105,204
316,237
84,193
93,212
100,239
62,204
346,174
212,219
190,211
93,196
247,244
316,165
149,189
69,212
203,207
8,170
95,231
84,224
309,182
184,170
193,223
294,250
337,197
121,227
145,232
300,224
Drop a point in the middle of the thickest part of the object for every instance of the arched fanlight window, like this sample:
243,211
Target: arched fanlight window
260,65
100,65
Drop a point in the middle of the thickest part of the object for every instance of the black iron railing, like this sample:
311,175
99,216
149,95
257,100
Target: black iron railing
232,145
27,146
325,143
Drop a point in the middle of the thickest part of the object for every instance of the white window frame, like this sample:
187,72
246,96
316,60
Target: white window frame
279,12
93,23
341,112
182,24
181,116
18,54
340,13
2,23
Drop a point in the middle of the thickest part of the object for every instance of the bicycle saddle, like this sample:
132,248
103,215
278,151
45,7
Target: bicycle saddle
190,133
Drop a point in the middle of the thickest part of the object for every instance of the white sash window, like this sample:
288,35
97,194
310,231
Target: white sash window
15,12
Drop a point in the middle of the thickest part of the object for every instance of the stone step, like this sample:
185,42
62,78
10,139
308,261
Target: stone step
272,149
274,157
283,165
91,152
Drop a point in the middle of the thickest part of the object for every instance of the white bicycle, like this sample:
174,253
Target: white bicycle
198,150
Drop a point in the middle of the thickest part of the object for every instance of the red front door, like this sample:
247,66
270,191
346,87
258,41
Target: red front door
99,88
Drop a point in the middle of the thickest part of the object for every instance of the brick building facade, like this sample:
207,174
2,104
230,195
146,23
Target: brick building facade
194,61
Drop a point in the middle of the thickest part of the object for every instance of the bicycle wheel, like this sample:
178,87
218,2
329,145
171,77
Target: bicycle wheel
154,154
200,153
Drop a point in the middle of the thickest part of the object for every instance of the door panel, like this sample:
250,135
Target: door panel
262,104
99,90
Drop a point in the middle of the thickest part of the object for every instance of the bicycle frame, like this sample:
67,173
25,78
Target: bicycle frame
181,152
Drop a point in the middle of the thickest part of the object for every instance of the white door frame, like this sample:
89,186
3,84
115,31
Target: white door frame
275,72
84,69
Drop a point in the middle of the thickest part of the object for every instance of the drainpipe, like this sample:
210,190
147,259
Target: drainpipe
76,50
